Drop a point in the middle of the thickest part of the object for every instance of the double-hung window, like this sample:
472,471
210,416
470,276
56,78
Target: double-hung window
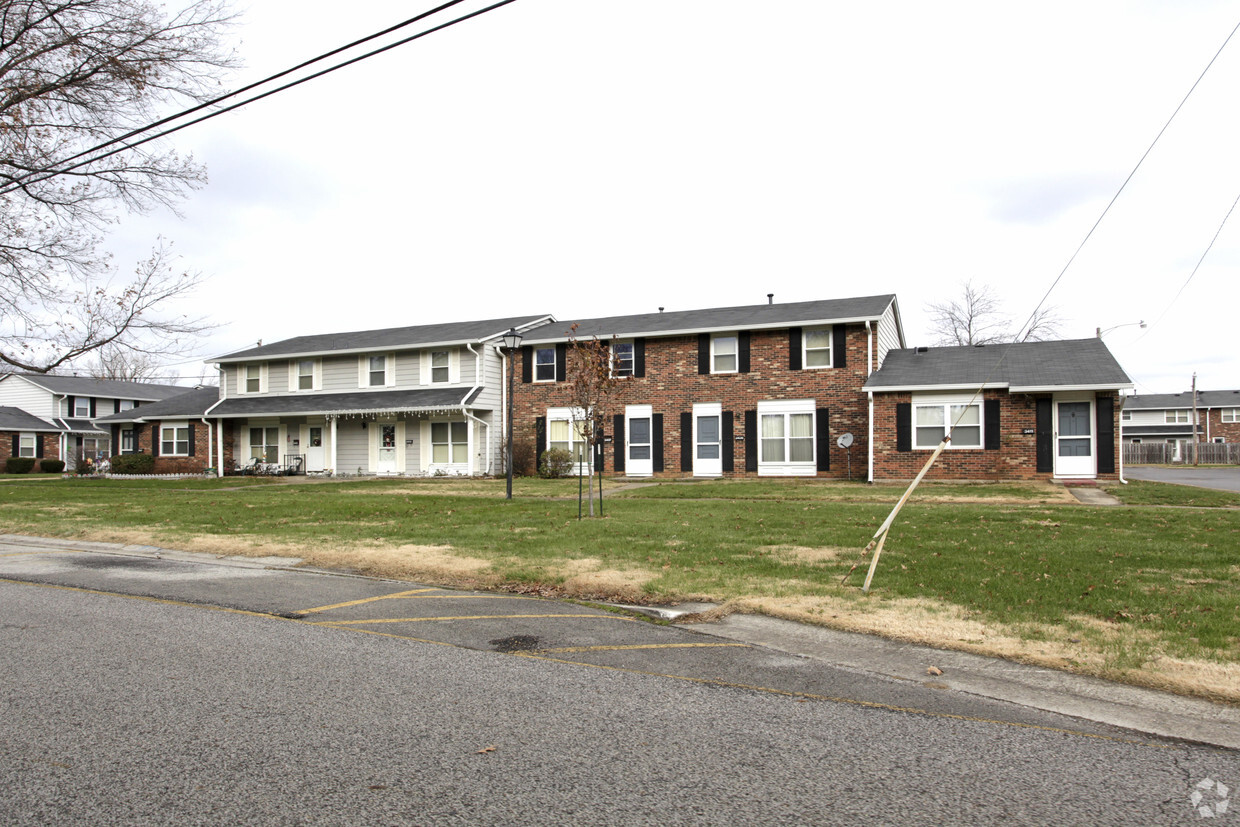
125,405
544,364
723,354
566,431
174,439
1125,416
449,443
305,375
1231,414
81,407
622,359
128,445
441,367
935,416
817,348
26,445
1177,417
265,444
376,371
254,378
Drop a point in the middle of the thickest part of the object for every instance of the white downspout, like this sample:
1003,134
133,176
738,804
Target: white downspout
869,369
332,420
219,442
478,368
1121,440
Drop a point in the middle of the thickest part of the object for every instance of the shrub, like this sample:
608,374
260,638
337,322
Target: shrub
133,464
19,465
52,466
556,463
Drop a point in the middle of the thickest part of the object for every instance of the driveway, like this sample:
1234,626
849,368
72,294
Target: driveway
1221,479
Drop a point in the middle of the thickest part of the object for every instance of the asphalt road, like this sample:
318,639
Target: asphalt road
138,690
1223,479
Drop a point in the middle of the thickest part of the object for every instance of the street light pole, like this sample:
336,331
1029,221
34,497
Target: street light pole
512,340
1100,332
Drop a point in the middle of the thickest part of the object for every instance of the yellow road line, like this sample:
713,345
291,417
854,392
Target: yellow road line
568,650
392,596
462,617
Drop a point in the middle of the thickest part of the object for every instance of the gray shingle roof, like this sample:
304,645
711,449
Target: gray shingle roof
186,405
386,339
368,402
750,317
109,388
1165,401
1076,363
15,419
80,426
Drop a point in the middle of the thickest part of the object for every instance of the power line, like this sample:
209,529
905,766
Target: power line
53,171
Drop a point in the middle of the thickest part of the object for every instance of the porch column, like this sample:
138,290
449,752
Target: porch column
332,420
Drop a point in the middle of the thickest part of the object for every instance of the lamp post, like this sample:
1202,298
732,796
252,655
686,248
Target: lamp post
1102,332
512,340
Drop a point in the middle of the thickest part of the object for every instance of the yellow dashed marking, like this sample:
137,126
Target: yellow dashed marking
568,650
363,601
462,617
415,594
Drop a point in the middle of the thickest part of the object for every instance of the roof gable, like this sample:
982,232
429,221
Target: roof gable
105,388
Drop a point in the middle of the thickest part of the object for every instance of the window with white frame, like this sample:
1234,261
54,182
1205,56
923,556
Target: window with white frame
128,444
622,359
723,354
450,443
81,407
786,437
934,417
441,366
376,371
265,444
817,348
305,374
566,431
1231,414
544,364
1125,416
174,439
26,445
96,447
126,405
255,378
1177,418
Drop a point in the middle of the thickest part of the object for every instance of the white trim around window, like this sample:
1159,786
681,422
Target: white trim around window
27,445
1231,415
440,367
376,370
786,438
725,353
81,407
623,359
564,430
1176,416
816,348
935,414
305,375
252,378
174,439
544,364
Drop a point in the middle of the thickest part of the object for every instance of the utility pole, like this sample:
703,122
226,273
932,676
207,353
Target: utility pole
1196,444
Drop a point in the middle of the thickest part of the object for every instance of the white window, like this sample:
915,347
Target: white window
376,370
544,364
254,378
723,354
786,438
81,407
1125,416
441,367
1177,417
126,405
449,443
565,430
305,375
127,441
265,444
1231,414
934,417
96,447
174,439
817,352
26,445
622,359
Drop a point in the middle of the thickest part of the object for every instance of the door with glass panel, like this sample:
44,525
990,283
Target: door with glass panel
1074,439
639,440
707,440
316,455
386,461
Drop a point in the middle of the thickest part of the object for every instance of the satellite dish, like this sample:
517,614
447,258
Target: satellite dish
845,440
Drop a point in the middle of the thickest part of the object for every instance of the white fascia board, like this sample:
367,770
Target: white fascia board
425,409
1067,388
693,331
990,386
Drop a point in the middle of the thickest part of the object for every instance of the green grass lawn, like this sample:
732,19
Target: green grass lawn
1138,581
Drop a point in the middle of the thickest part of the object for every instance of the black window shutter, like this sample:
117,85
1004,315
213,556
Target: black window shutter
904,426
116,406
618,449
686,441
561,362
72,401
742,347
794,348
656,425
17,445
728,438
703,353
116,440
38,445
751,440
191,438
1105,411
639,358
136,403
990,410
599,450
1045,436
527,364
156,433
839,346
92,407
540,441
822,426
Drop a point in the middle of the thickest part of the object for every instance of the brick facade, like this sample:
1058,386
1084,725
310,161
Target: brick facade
1217,428
672,384
201,456
50,445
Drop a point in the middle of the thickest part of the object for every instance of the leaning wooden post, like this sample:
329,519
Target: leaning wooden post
881,534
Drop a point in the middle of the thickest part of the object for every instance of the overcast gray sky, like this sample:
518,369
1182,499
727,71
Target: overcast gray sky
590,158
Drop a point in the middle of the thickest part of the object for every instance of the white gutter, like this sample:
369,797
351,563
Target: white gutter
219,462
478,368
1121,440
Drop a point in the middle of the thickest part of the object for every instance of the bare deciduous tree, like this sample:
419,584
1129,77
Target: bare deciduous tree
977,318
591,388
75,74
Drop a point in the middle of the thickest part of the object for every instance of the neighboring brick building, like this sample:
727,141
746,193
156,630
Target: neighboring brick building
174,431
1168,417
763,390
24,435
1018,411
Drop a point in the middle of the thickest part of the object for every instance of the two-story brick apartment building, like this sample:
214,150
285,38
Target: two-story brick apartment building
1169,417
761,390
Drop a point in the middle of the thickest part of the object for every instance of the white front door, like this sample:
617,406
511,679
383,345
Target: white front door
639,440
708,440
385,462
1074,439
316,456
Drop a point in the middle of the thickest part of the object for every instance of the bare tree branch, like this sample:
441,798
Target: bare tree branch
976,317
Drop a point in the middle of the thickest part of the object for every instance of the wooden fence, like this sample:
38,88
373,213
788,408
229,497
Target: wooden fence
1187,453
